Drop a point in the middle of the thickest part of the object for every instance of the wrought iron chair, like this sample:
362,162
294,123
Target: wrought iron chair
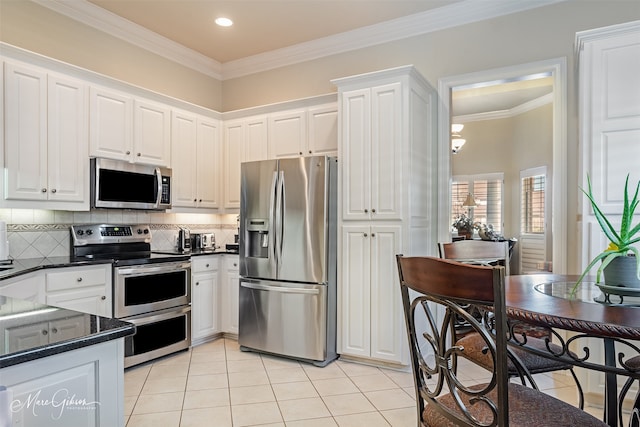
634,365
479,252
443,398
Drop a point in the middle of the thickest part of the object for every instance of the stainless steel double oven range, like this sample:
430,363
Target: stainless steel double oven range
150,290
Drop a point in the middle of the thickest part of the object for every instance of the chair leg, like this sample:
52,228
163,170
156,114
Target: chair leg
623,393
580,392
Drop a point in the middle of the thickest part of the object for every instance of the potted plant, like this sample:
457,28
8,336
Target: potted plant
621,257
464,225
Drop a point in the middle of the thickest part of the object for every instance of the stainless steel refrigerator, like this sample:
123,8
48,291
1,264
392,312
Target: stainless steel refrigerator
288,244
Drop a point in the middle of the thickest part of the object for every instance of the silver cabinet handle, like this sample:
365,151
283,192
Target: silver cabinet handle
373,234
366,211
207,266
54,331
53,190
235,264
139,154
197,283
45,332
44,190
365,234
79,279
128,152
373,211
103,297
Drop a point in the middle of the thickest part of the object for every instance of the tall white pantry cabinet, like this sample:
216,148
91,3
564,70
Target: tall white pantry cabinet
387,181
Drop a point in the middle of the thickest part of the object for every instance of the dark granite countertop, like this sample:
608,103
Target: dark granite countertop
88,329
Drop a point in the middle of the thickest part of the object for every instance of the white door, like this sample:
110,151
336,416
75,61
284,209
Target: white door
287,134
183,155
208,163
110,124
152,133
323,130
233,156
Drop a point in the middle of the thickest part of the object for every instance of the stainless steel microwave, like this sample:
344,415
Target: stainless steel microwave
121,185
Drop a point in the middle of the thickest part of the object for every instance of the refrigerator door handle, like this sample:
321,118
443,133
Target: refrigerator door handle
280,194
279,289
273,213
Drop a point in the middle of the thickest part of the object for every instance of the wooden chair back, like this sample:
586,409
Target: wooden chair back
426,282
477,252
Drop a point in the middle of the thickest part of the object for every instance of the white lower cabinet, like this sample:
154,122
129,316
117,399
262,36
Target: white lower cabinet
372,320
29,336
82,387
230,295
204,298
85,289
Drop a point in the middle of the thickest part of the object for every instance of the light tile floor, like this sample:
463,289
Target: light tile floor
216,384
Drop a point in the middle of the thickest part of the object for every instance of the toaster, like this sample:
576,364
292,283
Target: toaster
204,240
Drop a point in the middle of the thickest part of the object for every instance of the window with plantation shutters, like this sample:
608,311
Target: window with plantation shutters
486,190
532,217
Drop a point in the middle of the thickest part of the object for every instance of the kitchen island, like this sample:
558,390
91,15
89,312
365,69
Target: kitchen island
60,367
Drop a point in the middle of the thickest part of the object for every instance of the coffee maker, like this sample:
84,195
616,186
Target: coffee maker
184,240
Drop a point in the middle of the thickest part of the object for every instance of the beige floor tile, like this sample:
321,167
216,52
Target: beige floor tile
208,368
129,403
206,398
354,369
210,347
273,362
208,357
403,417
368,419
133,386
246,365
255,414
390,399
244,379
205,382
373,382
303,409
218,417
251,394
293,374
164,419
329,371
242,355
296,390
345,404
168,371
162,402
139,371
402,379
330,387
316,422
174,359
164,385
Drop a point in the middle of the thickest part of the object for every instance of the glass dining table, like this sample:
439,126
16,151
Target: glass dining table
595,315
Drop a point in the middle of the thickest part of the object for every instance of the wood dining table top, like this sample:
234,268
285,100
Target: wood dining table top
528,299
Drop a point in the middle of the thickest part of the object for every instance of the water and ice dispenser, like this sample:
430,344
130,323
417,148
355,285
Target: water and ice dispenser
257,238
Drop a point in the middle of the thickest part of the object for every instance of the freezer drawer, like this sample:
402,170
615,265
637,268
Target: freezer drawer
289,319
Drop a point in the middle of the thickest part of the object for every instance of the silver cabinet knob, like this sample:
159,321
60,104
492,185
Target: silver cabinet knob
235,264
128,152
139,154
79,279
366,211
365,235
54,331
301,153
53,190
195,200
45,332
44,190
103,297
373,211
373,234
207,265
197,283
310,151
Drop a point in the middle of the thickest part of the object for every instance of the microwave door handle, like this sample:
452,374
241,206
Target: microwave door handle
159,188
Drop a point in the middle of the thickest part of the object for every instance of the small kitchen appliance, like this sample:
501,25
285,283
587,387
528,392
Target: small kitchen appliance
203,241
184,240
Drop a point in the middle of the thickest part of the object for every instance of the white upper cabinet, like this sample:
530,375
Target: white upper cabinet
245,140
46,145
196,151
372,127
124,128
305,132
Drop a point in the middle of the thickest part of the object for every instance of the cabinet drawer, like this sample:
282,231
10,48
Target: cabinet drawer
233,262
74,278
200,264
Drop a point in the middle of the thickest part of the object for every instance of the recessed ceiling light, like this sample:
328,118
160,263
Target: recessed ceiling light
224,22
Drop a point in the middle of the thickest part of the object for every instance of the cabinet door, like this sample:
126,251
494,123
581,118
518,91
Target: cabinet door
26,132
355,154
152,138
355,308
68,140
233,156
287,134
230,302
24,337
183,156
204,302
67,328
387,149
256,136
323,130
92,300
208,163
110,124
387,318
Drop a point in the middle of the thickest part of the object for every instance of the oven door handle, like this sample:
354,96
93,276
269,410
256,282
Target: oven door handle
161,268
157,316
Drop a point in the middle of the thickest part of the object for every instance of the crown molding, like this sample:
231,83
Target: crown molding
505,114
463,12
116,26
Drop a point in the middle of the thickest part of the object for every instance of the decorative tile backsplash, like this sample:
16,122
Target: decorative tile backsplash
39,233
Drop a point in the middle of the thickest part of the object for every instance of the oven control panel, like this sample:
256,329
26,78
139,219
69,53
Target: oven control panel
109,233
